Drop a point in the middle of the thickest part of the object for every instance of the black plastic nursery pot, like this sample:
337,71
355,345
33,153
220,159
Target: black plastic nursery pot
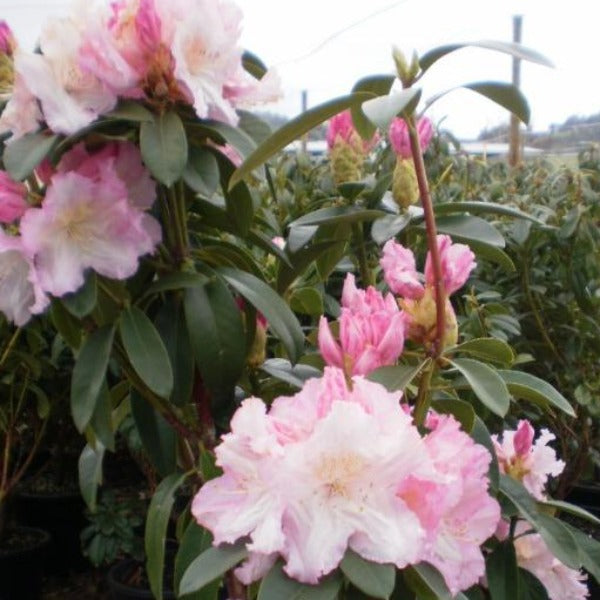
61,513
22,555
127,581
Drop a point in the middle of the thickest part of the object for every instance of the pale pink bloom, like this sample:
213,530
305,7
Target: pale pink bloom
7,39
20,293
400,271
371,331
124,159
340,130
22,114
530,463
71,97
400,139
86,224
560,581
456,510
229,151
255,567
457,261
13,198
279,242
244,91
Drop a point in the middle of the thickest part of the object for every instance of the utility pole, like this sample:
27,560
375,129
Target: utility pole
514,149
304,140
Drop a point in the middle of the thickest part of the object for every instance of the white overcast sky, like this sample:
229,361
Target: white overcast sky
325,46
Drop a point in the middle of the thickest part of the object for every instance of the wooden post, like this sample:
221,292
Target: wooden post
514,149
304,140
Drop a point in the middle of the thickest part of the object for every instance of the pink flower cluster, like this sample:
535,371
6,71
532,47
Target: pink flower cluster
92,216
399,138
341,131
340,466
162,51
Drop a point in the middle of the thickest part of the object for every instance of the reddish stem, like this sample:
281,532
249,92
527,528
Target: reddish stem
438,280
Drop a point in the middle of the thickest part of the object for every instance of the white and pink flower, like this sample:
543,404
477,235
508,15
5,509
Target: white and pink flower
13,198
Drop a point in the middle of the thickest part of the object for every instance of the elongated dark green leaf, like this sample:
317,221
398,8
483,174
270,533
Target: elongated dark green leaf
426,581
534,389
128,110
202,171
210,565
375,580
389,226
306,301
482,436
491,253
233,136
277,585
176,281
556,535
82,302
506,95
164,148
378,85
170,324
589,551
382,110
516,50
462,411
295,128
300,261
253,65
156,530
146,351
502,573
490,349
281,319
340,234
90,473
337,214
465,228
485,382
88,374
300,236
158,437
494,208
258,129
530,587
22,156
66,324
397,377
572,509
195,540
101,421
295,375
216,333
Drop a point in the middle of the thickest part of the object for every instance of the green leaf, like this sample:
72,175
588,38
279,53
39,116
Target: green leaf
337,214
66,324
572,509
382,110
378,85
253,65
465,228
482,436
164,147
216,333
88,374
534,389
101,421
176,281
397,377
170,324
446,208
530,587
307,301
90,473
462,411
516,50
210,565
490,349
129,110
277,586
158,437
555,533
339,234
281,319
502,573
258,129
373,579
389,226
283,370
156,530
236,138
22,156
195,540
201,172
82,302
294,129
589,551
426,581
146,351
485,382
300,261
506,95
493,254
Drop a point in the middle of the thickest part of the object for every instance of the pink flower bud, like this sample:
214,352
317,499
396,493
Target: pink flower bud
400,139
400,272
523,439
7,40
457,263
341,130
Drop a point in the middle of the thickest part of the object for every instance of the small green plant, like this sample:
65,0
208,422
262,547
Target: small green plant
114,530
